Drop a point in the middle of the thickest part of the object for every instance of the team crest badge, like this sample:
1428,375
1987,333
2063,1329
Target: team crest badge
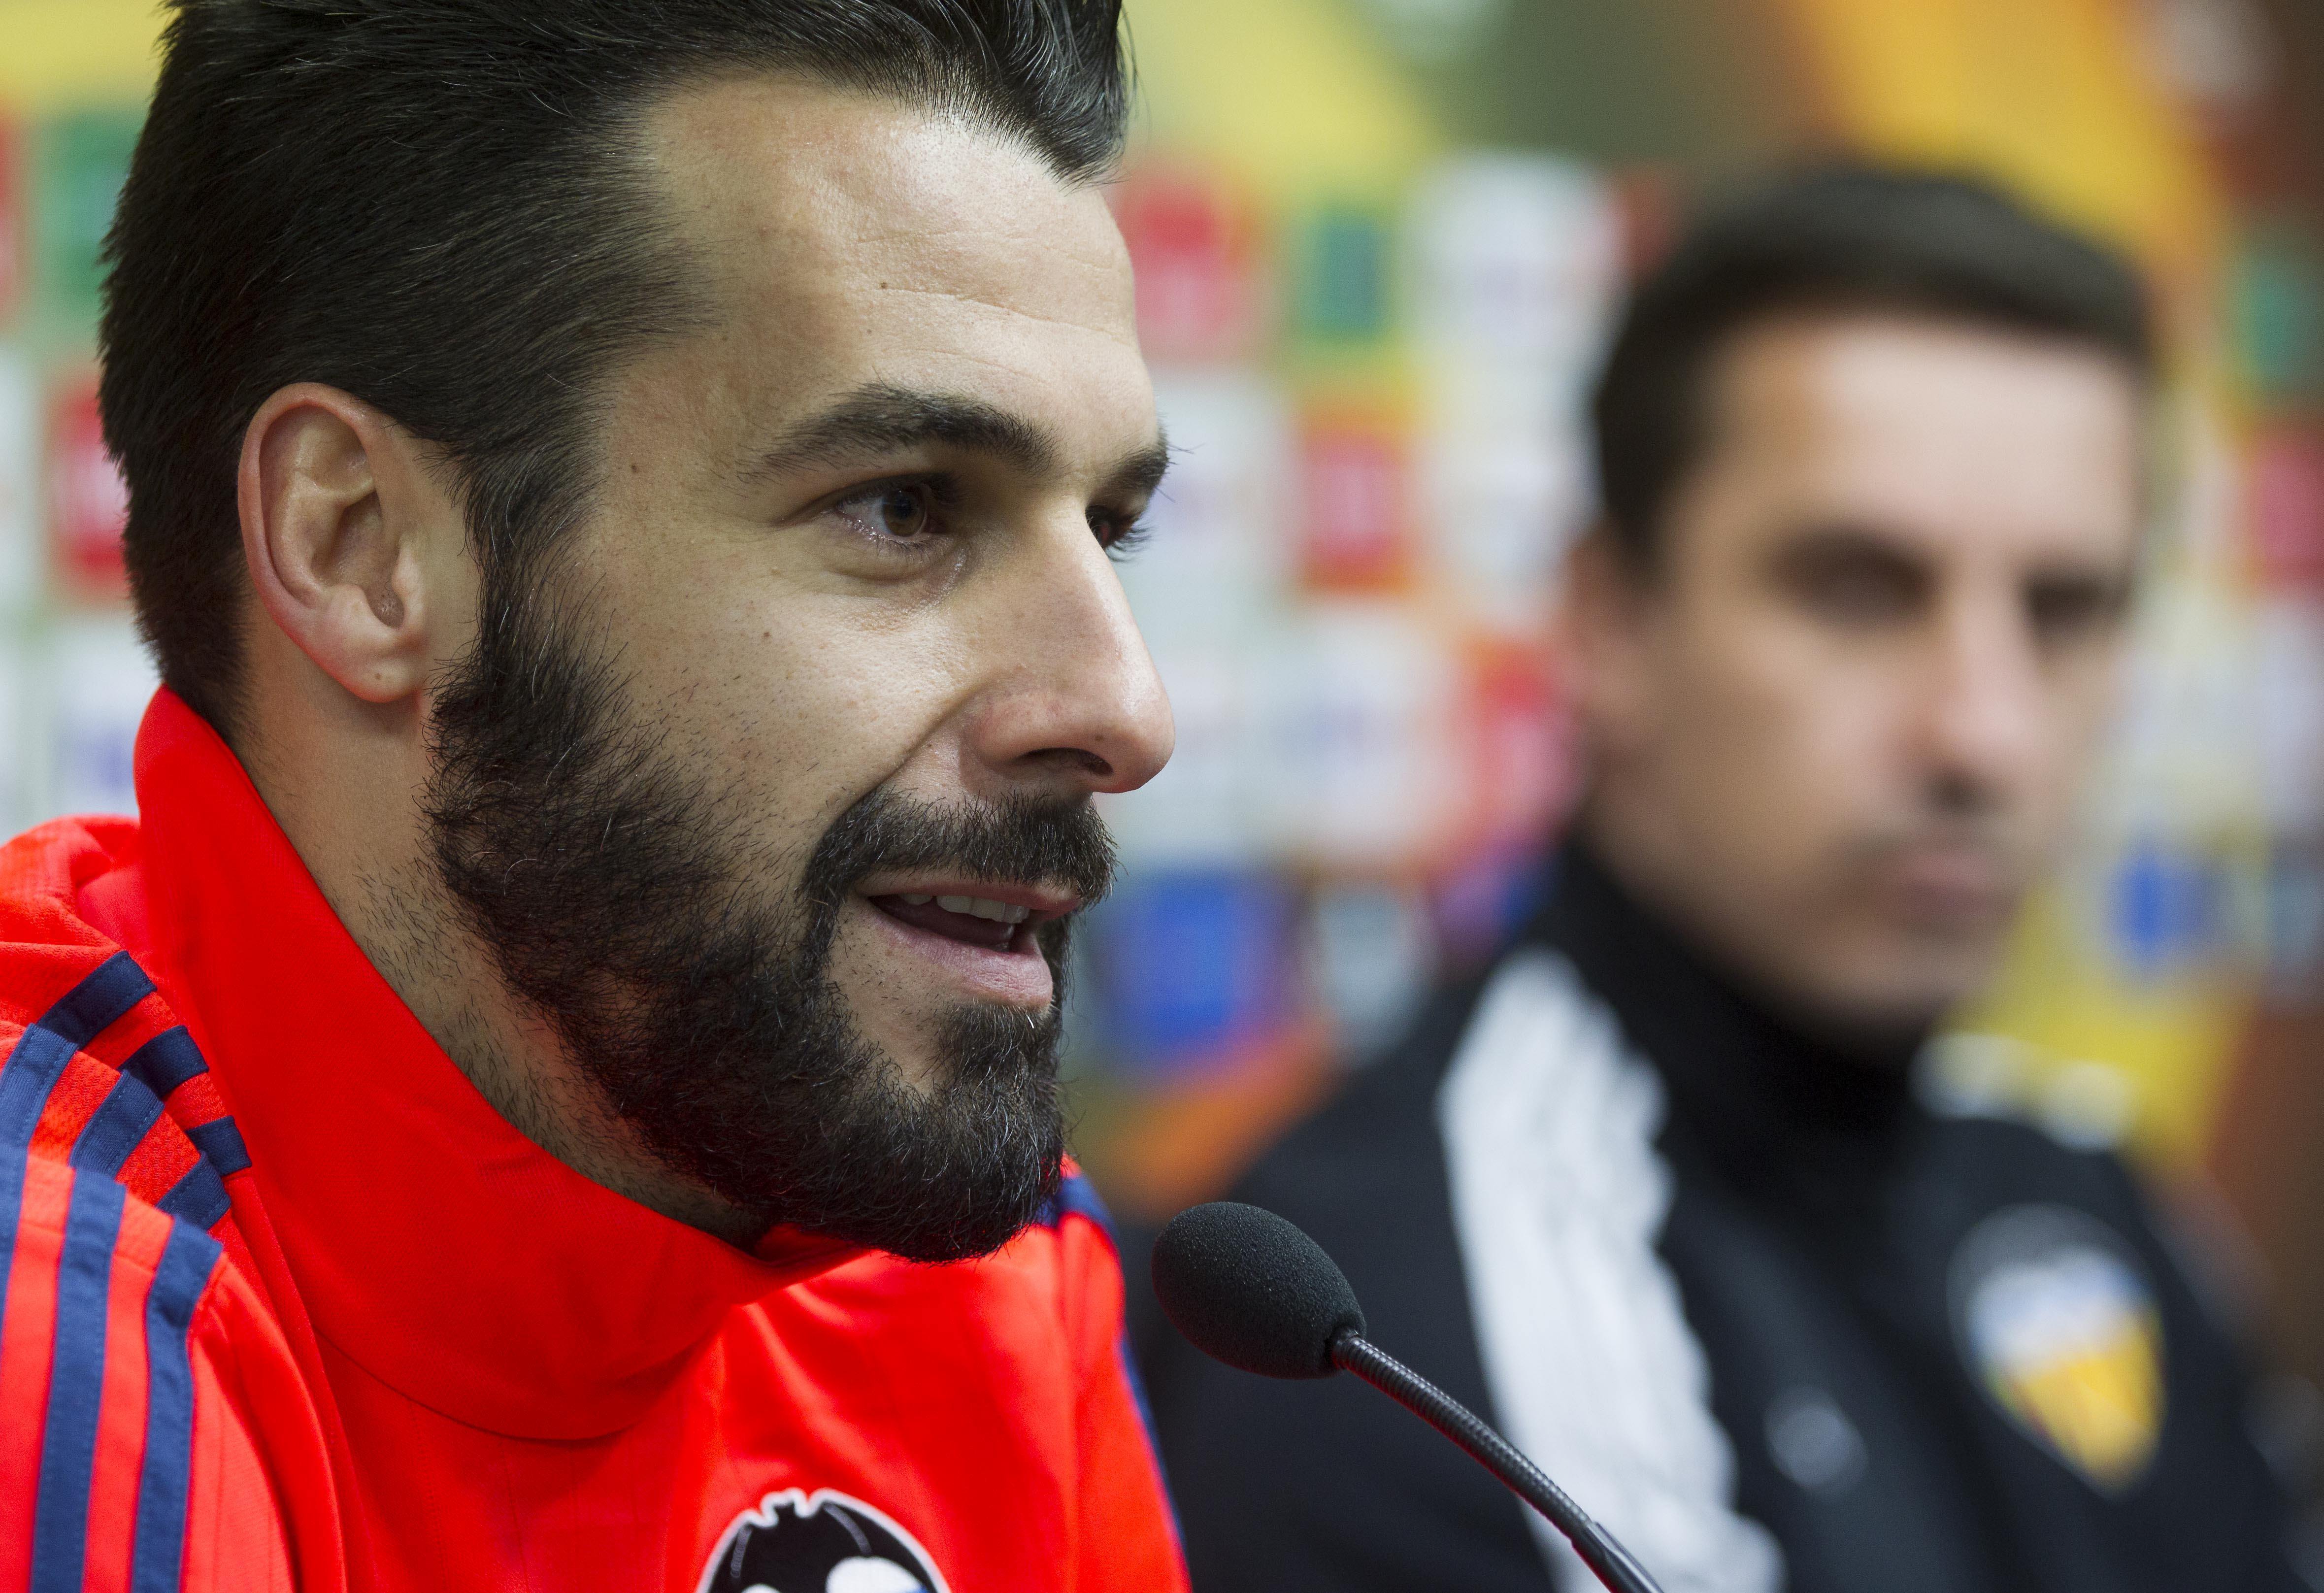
822,1543
2058,1322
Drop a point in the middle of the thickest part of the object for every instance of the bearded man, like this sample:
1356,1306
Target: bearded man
621,497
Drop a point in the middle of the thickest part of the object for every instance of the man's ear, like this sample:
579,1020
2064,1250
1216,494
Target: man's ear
1604,625
338,506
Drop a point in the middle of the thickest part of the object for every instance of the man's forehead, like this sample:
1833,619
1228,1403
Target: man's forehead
823,198
1960,439
846,241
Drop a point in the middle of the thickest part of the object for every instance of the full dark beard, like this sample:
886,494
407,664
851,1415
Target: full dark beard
620,900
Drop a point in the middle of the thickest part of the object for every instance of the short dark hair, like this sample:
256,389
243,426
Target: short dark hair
1838,240
434,205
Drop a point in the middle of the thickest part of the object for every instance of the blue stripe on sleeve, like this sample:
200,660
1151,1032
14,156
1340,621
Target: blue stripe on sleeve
158,1555
84,1278
119,1122
12,1211
165,1062
98,1001
198,1198
220,1142
1076,1197
31,1072
39,1059
76,1385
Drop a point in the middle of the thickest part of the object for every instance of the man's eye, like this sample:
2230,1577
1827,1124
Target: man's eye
1120,535
905,514
1856,590
1861,594
2067,610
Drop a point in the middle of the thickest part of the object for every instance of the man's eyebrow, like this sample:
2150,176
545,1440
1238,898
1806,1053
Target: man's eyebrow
1140,474
880,418
1819,539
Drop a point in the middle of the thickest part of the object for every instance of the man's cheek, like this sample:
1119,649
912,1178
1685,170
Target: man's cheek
894,1009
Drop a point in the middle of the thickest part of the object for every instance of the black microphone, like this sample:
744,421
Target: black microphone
1249,1288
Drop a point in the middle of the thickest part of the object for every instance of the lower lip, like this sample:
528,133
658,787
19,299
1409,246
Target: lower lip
1017,977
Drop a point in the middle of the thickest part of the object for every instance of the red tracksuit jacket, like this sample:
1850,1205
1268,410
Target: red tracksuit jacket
287,1305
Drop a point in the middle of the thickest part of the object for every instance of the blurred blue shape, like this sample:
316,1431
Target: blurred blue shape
2165,908
1191,967
2295,918
1482,904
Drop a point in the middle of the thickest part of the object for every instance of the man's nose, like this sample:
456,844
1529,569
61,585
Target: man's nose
1986,728
1074,704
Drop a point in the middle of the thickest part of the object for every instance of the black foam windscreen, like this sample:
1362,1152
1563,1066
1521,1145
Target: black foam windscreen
1251,1290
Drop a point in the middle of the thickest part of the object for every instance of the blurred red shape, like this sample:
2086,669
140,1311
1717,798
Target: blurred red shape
1523,762
88,502
2287,506
1194,245
1356,489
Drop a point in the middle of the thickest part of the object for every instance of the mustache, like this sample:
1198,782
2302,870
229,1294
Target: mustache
1018,840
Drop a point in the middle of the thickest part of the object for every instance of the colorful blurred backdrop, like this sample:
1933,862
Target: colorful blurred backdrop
1378,242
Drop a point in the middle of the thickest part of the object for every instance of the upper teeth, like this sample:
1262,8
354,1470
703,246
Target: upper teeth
975,906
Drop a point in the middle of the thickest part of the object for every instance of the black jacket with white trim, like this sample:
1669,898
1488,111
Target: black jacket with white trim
1760,1310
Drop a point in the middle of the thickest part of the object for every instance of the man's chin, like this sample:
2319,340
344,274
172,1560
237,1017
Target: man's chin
1883,1012
942,1153
973,1240
964,1218
930,1056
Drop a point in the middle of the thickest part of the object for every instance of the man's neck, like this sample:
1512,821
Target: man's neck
1661,896
351,809
412,933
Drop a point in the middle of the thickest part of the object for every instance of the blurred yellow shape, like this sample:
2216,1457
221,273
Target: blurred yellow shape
65,54
2168,1038
2058,97
1286,93
2099,1406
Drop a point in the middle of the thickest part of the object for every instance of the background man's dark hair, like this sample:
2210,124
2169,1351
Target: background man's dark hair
1834,240
434,205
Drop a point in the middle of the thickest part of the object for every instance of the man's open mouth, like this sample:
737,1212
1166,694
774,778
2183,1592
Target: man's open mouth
973,920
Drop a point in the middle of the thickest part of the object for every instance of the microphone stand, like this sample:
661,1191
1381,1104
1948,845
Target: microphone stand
1352,1353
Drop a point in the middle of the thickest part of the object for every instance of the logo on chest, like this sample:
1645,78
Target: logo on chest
2058,1321
819,1542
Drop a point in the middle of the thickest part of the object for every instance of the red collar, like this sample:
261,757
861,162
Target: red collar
436,1247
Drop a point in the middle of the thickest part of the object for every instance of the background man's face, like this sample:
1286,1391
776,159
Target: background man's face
1842,727
852,531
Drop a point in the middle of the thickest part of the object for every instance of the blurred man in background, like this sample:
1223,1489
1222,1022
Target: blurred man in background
1657,1192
